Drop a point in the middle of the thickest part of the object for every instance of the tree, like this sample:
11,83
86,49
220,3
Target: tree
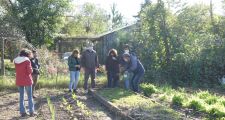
116,17
90,20
39,19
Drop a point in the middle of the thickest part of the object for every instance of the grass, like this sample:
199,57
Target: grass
202,101
61,81
128,100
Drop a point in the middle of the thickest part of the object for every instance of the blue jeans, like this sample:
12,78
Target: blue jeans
135,81
74,79
127,78
113,79
30,99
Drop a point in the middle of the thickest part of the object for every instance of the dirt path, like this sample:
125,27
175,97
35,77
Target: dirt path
9,106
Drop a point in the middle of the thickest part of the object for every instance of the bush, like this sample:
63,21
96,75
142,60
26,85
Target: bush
197,105
148,89
178,100
216,111
203,94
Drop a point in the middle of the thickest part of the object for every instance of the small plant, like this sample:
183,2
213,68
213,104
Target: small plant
51,107
197,105
211,100
74,96
203,94
148,89
178,100
216,111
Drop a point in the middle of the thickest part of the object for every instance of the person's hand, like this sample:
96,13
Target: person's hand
81,69
77,66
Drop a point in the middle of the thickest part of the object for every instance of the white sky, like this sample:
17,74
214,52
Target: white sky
129,8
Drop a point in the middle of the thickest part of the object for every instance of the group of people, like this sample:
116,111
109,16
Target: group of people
27,71
126,64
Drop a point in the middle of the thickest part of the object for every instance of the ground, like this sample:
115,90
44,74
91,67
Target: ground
9,106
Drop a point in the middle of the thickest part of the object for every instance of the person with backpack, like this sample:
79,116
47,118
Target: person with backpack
90,63
74,68
112,68
136,67
35,66
24,80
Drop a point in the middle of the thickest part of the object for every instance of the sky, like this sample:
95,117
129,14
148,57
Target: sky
130,8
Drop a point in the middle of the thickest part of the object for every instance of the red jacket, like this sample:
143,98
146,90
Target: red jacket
23,71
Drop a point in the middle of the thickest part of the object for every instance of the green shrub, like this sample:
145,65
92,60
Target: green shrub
148,89
178,100
216,111
211,100
203,94
197,104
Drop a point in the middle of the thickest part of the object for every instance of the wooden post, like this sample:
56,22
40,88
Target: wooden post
2,58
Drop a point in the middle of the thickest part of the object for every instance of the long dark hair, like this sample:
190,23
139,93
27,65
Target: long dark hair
76,51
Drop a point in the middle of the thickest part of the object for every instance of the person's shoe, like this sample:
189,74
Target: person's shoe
75,90
85,91
70,91
33,114
34,96
23,114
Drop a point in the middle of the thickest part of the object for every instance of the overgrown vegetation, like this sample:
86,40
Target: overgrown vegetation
199,101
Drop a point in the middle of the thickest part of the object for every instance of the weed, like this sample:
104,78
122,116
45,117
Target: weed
178,100
148,89
197,105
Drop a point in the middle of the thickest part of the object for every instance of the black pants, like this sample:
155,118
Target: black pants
113,79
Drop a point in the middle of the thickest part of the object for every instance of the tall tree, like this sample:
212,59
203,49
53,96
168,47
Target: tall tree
90,20
116,17
39,19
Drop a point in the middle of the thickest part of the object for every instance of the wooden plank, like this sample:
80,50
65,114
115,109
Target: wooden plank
117,111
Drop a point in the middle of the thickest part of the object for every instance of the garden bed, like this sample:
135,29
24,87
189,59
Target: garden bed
137,107
198,104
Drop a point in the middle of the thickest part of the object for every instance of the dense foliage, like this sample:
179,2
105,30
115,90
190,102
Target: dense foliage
185,47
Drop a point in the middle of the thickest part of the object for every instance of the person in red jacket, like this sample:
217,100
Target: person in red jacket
24,80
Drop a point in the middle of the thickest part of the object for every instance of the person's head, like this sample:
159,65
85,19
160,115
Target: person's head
126,48
89,45
26,53
126,57
75,53
113,52
34,53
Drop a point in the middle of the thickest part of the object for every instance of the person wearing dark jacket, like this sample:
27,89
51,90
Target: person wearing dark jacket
127,76
35,66
112,68
89,62
74,68
134,66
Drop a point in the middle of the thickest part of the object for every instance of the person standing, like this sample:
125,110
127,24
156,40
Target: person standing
35,66
74,68
24,80
134,66
112,68
89,62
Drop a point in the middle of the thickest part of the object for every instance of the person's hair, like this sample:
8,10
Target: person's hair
76,51
114,51
126,46
34,51
24,53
